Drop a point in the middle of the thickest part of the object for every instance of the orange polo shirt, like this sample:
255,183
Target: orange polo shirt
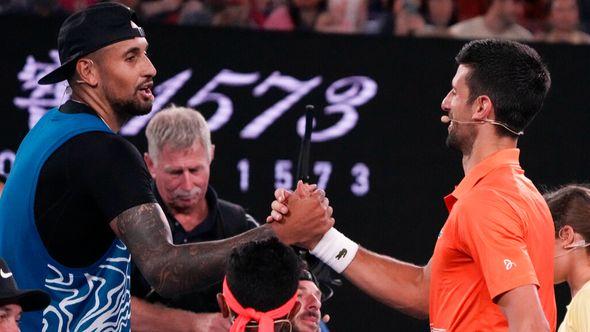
498,236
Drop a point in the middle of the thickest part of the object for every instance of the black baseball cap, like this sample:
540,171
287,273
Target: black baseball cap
89,30
28,299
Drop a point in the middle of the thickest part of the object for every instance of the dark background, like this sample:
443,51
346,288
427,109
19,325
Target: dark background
398,134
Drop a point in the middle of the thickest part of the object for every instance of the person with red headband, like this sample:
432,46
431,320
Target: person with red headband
260,287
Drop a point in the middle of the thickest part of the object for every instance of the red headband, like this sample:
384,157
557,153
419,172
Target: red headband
265,319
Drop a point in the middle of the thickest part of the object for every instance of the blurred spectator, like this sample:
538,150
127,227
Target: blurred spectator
343,16
564,20
535,14
439,16
498,22
299,15
43,8
234,13
195,12
71,6
380,17
406,17
467,9
160,11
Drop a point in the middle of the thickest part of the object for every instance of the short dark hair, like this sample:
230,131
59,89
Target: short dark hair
511,74
570,205
263,275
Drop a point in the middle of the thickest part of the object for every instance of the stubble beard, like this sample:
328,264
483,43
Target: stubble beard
461,142
126,109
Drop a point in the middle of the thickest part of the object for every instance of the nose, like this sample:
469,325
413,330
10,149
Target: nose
187,181
13,327
445,105
150,70
313,302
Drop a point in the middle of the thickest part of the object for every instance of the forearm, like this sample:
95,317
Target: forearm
147,317
400,285
520,325
523,309
185,268
172,269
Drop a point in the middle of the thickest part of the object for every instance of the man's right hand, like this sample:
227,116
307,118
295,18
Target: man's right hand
301,217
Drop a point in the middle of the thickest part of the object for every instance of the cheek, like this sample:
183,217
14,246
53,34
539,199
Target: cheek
201,179
120,82
167,182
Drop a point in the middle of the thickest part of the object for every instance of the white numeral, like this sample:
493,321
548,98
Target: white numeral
360,90
225,107
283,176
322,169
361,174
6,156
244,168
298,89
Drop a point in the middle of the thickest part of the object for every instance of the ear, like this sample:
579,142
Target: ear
566,236
482,108
294,310
222,305
212,153
150,164
87,72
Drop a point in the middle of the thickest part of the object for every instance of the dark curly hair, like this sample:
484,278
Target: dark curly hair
263,275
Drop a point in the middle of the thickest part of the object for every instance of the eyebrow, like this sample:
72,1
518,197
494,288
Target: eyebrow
315,292
8,309
134,49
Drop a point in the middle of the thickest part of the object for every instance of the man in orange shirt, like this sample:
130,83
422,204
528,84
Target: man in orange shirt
491,268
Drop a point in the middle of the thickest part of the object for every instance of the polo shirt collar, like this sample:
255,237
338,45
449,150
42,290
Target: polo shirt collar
505,157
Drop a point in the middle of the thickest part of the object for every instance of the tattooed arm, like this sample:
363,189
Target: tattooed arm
176,269
173,269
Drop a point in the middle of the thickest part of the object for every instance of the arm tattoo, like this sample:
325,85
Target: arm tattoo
175,269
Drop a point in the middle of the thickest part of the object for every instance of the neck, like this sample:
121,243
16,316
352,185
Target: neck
100,106
308,15
580,272
189,219
486,144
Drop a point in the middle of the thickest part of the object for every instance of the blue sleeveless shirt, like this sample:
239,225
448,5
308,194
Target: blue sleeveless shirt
94,298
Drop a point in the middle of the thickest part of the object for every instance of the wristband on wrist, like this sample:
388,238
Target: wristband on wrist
335,250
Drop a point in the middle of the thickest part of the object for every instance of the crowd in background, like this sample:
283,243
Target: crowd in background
546,20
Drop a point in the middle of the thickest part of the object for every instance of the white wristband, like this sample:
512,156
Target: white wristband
336,250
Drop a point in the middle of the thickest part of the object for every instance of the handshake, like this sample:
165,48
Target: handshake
301,217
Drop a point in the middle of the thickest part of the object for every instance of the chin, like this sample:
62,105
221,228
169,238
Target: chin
142,108
306,327
130,108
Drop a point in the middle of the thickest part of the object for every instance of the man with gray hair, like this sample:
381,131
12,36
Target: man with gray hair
179,158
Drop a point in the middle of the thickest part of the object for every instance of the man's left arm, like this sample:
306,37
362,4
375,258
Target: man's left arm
523,309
